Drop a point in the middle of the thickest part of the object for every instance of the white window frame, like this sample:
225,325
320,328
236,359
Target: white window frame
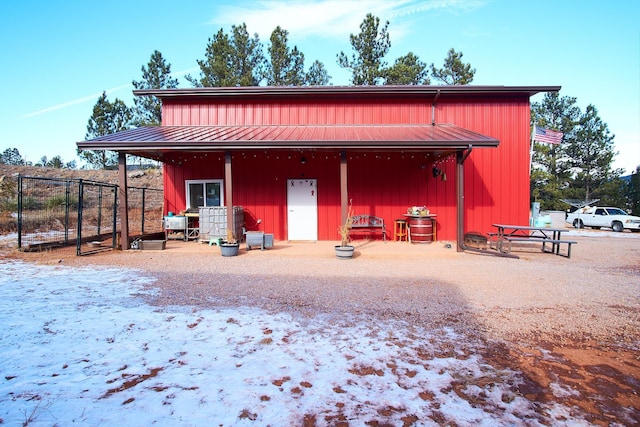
204,183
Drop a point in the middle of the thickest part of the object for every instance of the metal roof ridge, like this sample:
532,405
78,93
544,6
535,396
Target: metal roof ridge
355,90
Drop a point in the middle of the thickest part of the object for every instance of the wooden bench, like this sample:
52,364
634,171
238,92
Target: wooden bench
369,223
555,244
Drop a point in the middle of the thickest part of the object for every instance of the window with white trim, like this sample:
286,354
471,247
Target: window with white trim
204,192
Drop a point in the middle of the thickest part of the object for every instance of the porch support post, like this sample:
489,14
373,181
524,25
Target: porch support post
344,194
459,202
461,156
123,200
228,192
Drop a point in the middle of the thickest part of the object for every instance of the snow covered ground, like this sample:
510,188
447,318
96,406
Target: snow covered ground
80,346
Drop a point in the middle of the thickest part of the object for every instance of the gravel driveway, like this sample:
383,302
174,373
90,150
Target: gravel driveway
575,321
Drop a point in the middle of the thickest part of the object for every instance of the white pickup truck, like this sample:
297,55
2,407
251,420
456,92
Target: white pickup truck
598,216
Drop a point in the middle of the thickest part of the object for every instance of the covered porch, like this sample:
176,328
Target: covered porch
339,151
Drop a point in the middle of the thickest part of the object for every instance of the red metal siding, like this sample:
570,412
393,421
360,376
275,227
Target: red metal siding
186,167
260,186
383,184
301,112
496,180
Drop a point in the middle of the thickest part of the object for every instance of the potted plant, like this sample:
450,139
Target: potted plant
230,246
345,250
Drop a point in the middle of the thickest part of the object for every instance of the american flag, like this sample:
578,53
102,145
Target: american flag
546,135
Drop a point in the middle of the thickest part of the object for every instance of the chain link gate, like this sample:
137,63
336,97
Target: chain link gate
62,213
54,213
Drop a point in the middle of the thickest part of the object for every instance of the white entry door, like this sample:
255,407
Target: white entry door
302,208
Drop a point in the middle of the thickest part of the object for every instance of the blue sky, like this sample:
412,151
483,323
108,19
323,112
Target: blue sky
58,57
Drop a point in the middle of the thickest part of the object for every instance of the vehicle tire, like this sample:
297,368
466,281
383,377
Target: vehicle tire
617,226
577,223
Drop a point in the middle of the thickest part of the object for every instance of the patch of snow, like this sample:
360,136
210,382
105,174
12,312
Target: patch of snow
81,345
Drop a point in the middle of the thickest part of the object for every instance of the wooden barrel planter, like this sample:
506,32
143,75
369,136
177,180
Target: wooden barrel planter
421,230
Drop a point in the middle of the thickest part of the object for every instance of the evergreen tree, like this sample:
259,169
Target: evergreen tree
55,162
286,66
633,193
550,169
591,152
107,118
454,72
317,75
230,61
407,70
11,156
367,63
147,110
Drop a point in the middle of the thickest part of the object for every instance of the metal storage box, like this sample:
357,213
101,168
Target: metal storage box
175,227
153,245
175,222
259,238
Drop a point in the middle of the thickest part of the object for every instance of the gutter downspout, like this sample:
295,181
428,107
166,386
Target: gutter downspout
461,156
433,108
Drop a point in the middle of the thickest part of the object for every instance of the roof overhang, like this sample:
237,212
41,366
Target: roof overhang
342,91
165,139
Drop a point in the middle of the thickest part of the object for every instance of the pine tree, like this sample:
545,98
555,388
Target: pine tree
147,110
454,71
107,118
407,70
591,154
370,46
231,60
550,170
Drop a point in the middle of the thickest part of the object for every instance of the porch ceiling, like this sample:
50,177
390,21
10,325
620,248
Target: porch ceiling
163,139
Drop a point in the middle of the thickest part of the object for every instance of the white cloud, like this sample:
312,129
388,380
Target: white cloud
326,18
92,97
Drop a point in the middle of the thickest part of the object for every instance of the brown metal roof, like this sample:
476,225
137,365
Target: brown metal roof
371,137
385,90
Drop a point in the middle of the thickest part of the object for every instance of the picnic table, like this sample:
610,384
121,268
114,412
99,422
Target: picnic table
506,234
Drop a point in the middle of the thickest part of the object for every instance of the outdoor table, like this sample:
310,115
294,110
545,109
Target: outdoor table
419,230
508,233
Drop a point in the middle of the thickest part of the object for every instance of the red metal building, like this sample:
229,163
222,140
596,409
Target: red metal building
378,146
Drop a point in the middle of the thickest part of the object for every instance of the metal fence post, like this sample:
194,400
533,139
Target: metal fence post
19,211
80,203
114,231
66,212
143,198
99,208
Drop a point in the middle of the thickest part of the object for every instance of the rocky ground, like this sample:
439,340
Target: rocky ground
151,178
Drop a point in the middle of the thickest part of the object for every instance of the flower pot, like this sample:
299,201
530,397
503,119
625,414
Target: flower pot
229,249
344,252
